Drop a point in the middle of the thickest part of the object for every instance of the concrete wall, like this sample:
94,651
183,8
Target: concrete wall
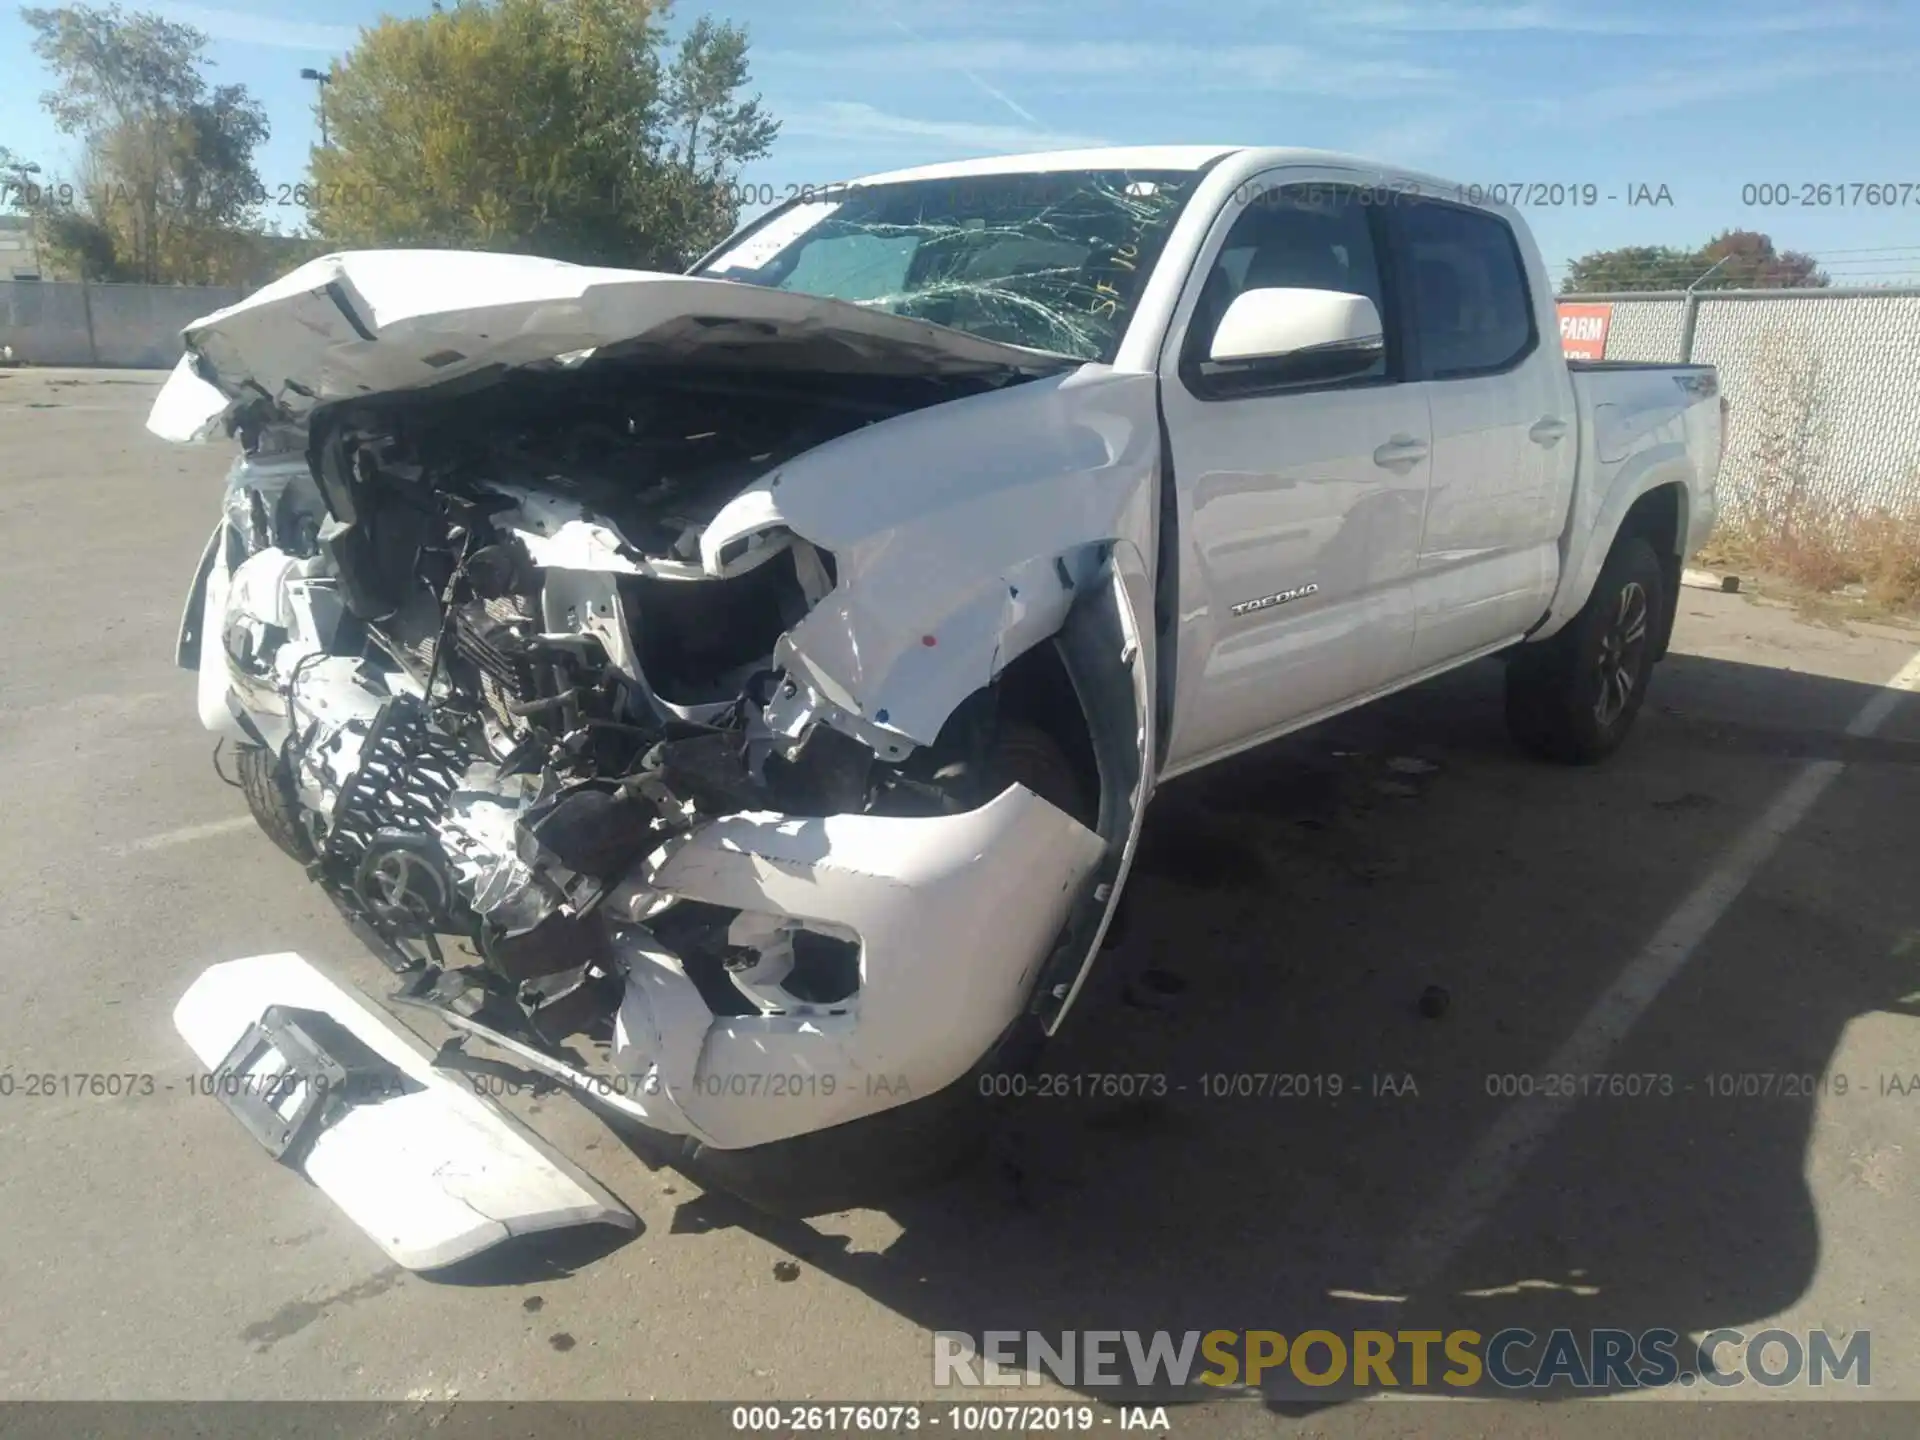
1847,361
66,322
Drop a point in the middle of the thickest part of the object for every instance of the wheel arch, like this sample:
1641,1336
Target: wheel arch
1104,654
1648,497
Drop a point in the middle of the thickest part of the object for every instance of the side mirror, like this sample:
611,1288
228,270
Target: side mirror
1299,334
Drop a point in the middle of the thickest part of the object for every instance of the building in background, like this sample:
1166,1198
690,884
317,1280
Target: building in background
19,257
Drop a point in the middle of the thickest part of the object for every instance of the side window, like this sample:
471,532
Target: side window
1314,237
1472,314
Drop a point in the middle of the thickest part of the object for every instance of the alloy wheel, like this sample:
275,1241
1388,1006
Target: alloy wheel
1623,646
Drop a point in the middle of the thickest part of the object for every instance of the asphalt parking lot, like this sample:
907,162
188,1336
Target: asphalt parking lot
1735,894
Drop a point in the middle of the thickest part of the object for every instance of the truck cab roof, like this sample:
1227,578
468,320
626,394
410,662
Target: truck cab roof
1241,161
1124,157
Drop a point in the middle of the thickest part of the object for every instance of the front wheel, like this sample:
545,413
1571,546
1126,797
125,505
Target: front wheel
1574,698
268,785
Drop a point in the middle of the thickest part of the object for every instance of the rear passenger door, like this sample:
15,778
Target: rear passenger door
1503,429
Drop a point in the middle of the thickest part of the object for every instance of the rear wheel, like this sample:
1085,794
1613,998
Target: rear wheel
1574,698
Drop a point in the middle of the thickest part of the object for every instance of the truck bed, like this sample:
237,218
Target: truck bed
1638,420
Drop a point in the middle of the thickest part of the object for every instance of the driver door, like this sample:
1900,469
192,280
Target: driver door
1301,502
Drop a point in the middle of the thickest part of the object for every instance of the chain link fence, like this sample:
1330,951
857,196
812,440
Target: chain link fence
1833,376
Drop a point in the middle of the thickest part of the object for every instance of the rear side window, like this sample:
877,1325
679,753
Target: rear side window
1471,312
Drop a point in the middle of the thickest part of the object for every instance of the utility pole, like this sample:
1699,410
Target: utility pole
1690,316
322,79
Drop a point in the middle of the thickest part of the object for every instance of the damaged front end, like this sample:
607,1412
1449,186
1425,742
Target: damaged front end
659,725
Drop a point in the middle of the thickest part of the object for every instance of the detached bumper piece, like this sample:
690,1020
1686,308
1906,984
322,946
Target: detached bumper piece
433,1172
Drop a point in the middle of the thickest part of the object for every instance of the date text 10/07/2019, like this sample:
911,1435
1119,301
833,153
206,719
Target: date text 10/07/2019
1012,1419
1210,1085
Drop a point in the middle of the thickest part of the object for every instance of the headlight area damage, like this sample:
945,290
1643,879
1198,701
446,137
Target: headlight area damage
704,734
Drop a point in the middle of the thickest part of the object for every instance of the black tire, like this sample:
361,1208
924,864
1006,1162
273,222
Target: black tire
1024,754
1029,756
269,791
1574,698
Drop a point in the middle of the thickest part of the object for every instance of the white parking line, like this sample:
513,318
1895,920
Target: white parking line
1479,1184
1875,712
186,835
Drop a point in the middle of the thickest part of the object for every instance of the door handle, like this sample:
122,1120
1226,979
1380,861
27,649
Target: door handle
1401,453
1548,431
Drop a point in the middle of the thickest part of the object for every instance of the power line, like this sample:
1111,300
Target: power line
1891,252
1863,250
1663,282
1868,267
1864,265
1866,251
1652,279
1695,271
1877,250
1890,262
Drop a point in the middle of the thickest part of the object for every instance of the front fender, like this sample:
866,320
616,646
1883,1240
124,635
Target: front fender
961,536
965,922
1108,647
193,615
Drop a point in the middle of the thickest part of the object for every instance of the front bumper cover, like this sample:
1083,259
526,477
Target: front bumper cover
955,915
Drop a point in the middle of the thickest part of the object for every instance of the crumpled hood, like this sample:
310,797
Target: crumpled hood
368,322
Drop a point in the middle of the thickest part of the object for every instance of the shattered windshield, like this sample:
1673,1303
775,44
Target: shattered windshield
1051,260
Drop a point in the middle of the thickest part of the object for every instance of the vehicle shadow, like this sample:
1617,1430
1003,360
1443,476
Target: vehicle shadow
1409,918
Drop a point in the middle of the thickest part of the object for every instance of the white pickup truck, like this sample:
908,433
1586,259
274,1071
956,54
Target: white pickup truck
738,694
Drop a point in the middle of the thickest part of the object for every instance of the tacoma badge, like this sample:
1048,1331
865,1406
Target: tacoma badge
1247,607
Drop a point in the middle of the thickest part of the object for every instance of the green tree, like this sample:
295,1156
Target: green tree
1636,267
1748,261
167,187
712,131
556,127
1745,260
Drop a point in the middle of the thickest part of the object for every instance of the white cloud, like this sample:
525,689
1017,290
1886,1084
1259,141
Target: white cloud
1701,83
1246,67
972,17
859,123
978,82
1472,17
1417,142
240,27
1377,19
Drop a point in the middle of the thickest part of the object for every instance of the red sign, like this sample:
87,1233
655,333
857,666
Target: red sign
1583,331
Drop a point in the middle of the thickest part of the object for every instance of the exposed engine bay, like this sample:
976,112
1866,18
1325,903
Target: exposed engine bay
536,725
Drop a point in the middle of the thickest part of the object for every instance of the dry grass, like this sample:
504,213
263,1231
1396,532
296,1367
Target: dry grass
1785,521
1823,546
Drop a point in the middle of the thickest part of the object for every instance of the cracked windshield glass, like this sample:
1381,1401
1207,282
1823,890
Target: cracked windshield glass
1049,261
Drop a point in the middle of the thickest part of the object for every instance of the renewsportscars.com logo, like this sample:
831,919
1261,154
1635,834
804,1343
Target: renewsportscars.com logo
1511,1359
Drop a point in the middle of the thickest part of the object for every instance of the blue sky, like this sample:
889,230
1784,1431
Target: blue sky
1703,98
